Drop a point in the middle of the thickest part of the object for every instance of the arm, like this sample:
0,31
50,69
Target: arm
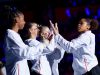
43,49
16,46
74,44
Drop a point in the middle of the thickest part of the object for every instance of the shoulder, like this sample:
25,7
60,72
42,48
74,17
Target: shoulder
32,42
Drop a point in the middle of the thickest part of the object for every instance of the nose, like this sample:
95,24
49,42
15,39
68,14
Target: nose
79,25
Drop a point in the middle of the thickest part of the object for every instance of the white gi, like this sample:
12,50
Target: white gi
43,62
54,59
83,49
17,54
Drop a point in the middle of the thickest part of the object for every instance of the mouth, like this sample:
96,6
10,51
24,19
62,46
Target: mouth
78,28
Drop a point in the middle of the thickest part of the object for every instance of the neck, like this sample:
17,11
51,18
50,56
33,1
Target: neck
32,37
46,41
15,29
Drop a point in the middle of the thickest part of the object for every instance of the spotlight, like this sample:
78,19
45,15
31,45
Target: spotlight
68,12
87,11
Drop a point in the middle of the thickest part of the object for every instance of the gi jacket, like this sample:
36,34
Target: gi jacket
17,53
55,57
42,61
83,50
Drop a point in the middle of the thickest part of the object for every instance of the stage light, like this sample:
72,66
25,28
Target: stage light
87,11
95,17
68,12
98,12
74,3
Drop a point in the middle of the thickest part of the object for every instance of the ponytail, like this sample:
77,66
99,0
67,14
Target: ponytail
94,24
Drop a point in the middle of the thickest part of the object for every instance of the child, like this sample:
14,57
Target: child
42,65
16,51
55,56
82,48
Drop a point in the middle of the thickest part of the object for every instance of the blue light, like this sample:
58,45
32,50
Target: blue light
74,3
95,17
68,12
98,12
87,11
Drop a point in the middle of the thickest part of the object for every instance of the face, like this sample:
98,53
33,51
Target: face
20,21
34,30
83,26
45,32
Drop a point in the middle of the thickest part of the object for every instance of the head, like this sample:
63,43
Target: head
16,19
87,24
31,30
44,32
10,19
13,18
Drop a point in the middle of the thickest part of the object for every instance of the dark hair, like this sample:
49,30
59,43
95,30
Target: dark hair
12,13
7,18
93,23
26,29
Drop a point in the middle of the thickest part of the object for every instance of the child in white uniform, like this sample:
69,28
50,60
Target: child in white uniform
32,30
16,52
82,48
55,56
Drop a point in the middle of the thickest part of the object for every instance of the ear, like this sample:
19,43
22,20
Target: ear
15,20
42,34
30,31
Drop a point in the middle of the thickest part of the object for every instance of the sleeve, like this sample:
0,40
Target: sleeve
70,46
21,50
57,54
62,54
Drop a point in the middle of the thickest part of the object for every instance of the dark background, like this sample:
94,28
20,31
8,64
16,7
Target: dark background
66,12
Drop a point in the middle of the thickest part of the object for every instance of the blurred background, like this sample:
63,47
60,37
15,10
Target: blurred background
66,12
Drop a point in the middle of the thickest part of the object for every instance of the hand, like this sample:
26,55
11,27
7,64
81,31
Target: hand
50,37
54,28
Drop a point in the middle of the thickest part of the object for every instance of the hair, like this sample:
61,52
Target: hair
7,19
25,32
11,14
42,28
92,22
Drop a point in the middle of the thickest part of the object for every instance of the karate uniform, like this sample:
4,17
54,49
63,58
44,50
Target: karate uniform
83,50
17,54
43,62
54,59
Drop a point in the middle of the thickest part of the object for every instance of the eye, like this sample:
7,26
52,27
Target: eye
80,23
